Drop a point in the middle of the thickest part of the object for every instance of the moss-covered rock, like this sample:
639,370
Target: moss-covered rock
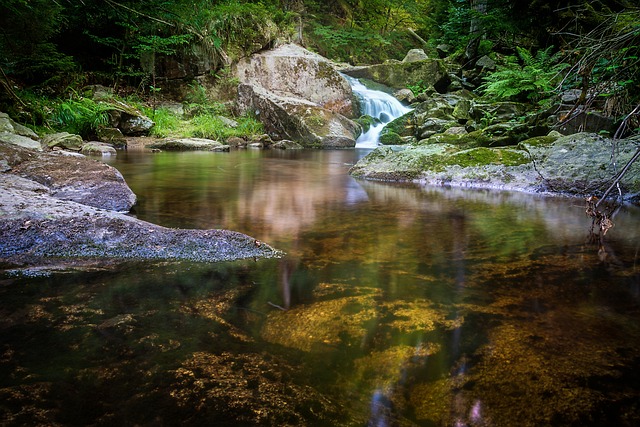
366,122
399,75
63,140
578,164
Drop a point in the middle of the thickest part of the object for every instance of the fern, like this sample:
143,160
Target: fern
83,116
534,80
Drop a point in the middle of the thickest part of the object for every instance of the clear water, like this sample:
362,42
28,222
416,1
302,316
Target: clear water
396,305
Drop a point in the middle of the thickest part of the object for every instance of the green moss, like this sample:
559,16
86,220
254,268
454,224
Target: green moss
366,122
472,139
315,121
483,156
539,141
402,126
390,138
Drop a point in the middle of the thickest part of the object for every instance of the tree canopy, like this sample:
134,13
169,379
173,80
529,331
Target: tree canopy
62,44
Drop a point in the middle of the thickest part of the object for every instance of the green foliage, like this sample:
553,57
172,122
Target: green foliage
248,126
214,127
230,29
418,88
197,94
80,116
533,80
26,48
608,65
166,122
208,121
352,44
364,32
74,114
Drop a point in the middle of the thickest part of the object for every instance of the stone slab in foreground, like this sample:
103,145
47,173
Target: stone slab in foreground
34,225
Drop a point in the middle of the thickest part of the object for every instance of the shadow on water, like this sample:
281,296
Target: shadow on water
395,306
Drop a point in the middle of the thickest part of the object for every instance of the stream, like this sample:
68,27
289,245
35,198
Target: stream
396,305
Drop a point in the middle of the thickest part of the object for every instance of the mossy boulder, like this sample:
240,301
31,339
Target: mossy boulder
397,131
400,75
366,122
128,119
98,149
577,164
582,164
19,140
112,135
63,140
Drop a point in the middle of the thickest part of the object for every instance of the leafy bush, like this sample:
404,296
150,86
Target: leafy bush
534,80
418,88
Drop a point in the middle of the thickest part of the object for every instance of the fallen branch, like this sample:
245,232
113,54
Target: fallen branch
618,177
7,86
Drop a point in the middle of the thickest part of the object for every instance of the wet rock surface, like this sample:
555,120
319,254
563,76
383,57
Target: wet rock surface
188,144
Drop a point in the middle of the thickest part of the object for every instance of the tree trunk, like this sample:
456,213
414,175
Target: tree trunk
476,32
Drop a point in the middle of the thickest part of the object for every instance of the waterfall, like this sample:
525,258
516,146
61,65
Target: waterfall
379,105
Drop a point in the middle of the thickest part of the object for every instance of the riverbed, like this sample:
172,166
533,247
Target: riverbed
395,305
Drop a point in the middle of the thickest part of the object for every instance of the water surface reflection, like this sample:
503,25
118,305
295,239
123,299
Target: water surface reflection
396,305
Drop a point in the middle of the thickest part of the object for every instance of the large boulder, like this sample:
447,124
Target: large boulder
128,119
297,119
298,95
292,71
578,164
17,134
415,55
582,162
8,125
399,75
36,226
66,205
70,177
22,141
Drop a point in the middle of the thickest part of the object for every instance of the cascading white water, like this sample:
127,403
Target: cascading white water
379,105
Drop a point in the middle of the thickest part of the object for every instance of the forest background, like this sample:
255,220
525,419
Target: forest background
51,49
